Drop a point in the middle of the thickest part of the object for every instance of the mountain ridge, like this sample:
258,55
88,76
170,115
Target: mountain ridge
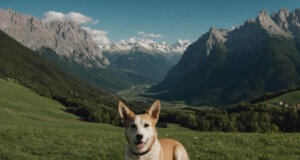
135,44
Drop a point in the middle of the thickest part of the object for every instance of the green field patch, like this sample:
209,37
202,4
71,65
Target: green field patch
289,98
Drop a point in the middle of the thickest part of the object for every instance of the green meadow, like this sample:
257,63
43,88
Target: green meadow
35,127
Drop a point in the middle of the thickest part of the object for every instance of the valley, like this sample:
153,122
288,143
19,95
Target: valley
207,69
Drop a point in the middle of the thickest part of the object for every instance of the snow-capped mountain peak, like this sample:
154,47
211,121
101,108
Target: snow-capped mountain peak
136,44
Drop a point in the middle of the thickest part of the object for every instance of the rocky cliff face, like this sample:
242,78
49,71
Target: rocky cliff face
67,39
287,21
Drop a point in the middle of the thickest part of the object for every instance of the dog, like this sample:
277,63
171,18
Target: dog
142,139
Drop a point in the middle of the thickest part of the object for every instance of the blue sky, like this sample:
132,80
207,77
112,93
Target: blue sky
185,19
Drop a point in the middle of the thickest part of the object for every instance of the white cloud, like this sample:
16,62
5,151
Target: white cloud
98,36
95,21
140,33
149,35
72,16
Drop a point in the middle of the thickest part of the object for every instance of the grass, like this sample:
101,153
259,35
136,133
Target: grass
289,98
34,127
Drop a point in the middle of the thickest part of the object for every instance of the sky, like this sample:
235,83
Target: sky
160,20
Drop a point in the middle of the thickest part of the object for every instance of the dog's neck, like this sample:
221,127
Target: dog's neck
150,154
140,154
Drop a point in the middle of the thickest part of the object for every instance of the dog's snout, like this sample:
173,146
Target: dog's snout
139,136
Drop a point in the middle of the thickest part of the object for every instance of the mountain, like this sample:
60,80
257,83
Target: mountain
228,66
145,57
71,47
67,39
29,69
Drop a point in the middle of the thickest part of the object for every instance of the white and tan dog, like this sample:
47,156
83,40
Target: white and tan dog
141,136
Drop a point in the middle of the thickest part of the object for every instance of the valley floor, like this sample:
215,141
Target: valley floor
34,127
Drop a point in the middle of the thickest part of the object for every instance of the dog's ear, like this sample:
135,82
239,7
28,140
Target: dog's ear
154,111
124,111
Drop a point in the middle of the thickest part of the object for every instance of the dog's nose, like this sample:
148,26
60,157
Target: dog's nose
139,137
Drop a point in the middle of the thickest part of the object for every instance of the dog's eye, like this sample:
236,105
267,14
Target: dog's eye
133,126
146,125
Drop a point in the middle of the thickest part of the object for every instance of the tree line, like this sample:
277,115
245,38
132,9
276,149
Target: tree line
244,117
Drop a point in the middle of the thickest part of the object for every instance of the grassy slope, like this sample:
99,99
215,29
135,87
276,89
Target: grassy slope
289,98
35,72
34,127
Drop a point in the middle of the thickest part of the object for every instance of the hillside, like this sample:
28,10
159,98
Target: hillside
228,66
110,78
35,127
31,70
21,106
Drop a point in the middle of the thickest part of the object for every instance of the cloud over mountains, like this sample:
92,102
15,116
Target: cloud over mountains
98,36
149,35
72,16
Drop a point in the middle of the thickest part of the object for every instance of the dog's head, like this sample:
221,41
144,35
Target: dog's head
140,129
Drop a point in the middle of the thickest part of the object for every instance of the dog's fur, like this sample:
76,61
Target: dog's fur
141,135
